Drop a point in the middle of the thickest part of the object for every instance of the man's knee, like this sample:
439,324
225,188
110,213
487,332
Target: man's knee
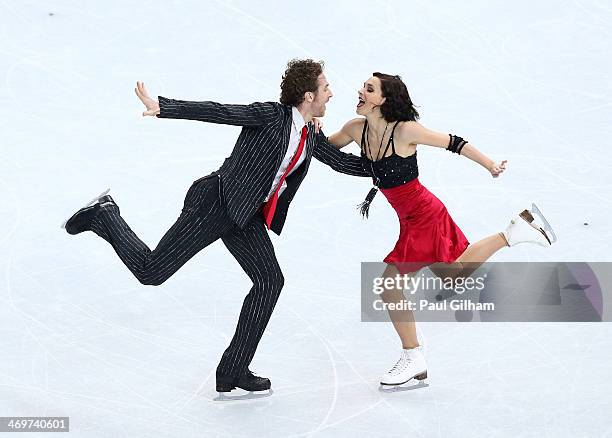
149,280
280,281
271,282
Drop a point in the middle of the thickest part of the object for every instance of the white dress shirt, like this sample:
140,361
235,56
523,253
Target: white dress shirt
294,141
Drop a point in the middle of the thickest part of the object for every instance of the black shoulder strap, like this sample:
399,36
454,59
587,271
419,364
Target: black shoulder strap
363,137
389,142
391,138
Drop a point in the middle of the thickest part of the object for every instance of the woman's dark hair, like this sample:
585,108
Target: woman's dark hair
300,77
398,105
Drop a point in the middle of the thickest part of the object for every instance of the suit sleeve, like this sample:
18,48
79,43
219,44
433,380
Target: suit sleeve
252,115
339,161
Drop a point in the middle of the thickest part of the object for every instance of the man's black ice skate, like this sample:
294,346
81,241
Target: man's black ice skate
81,220
248,381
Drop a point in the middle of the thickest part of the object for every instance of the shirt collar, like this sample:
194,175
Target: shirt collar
298,120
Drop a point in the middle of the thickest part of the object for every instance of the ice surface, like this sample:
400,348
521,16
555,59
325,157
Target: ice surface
526,81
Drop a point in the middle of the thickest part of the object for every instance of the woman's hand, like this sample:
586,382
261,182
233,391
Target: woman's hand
497,169
143,95
318,125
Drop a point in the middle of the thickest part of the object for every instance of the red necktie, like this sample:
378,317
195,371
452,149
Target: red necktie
270,206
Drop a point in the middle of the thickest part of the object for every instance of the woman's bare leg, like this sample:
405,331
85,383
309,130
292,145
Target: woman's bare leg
471,259
474,256
403,320
482,250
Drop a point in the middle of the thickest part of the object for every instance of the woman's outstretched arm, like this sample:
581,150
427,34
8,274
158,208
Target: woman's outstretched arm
346,135
414,132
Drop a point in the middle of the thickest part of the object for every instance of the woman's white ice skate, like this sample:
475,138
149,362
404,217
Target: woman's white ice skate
411,365
525,229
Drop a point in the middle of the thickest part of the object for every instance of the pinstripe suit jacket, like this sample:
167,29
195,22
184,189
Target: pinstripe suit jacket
247,174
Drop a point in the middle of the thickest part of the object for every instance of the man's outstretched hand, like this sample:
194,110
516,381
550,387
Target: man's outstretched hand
143,95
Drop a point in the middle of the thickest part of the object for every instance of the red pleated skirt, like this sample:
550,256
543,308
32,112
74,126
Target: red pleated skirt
427,232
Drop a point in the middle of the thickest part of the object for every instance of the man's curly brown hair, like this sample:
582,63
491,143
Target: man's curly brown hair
300,77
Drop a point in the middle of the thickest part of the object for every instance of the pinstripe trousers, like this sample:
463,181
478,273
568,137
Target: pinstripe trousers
202,221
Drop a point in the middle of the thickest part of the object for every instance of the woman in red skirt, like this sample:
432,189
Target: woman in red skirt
388,134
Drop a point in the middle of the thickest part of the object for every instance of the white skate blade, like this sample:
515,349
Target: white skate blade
406,386
240,394
419,377
92,202
545,224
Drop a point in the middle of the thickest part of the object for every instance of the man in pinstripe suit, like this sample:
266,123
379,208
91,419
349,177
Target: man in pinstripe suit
251,191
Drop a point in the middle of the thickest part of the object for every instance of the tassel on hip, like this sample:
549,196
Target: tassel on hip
364,207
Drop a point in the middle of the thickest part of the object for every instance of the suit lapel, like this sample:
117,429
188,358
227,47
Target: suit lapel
310,140
287,123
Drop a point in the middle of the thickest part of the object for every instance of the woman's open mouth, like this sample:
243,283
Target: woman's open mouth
360,103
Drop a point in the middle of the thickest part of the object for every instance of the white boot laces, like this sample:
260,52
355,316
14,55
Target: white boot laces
404,361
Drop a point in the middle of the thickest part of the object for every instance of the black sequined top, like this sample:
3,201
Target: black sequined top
389,171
